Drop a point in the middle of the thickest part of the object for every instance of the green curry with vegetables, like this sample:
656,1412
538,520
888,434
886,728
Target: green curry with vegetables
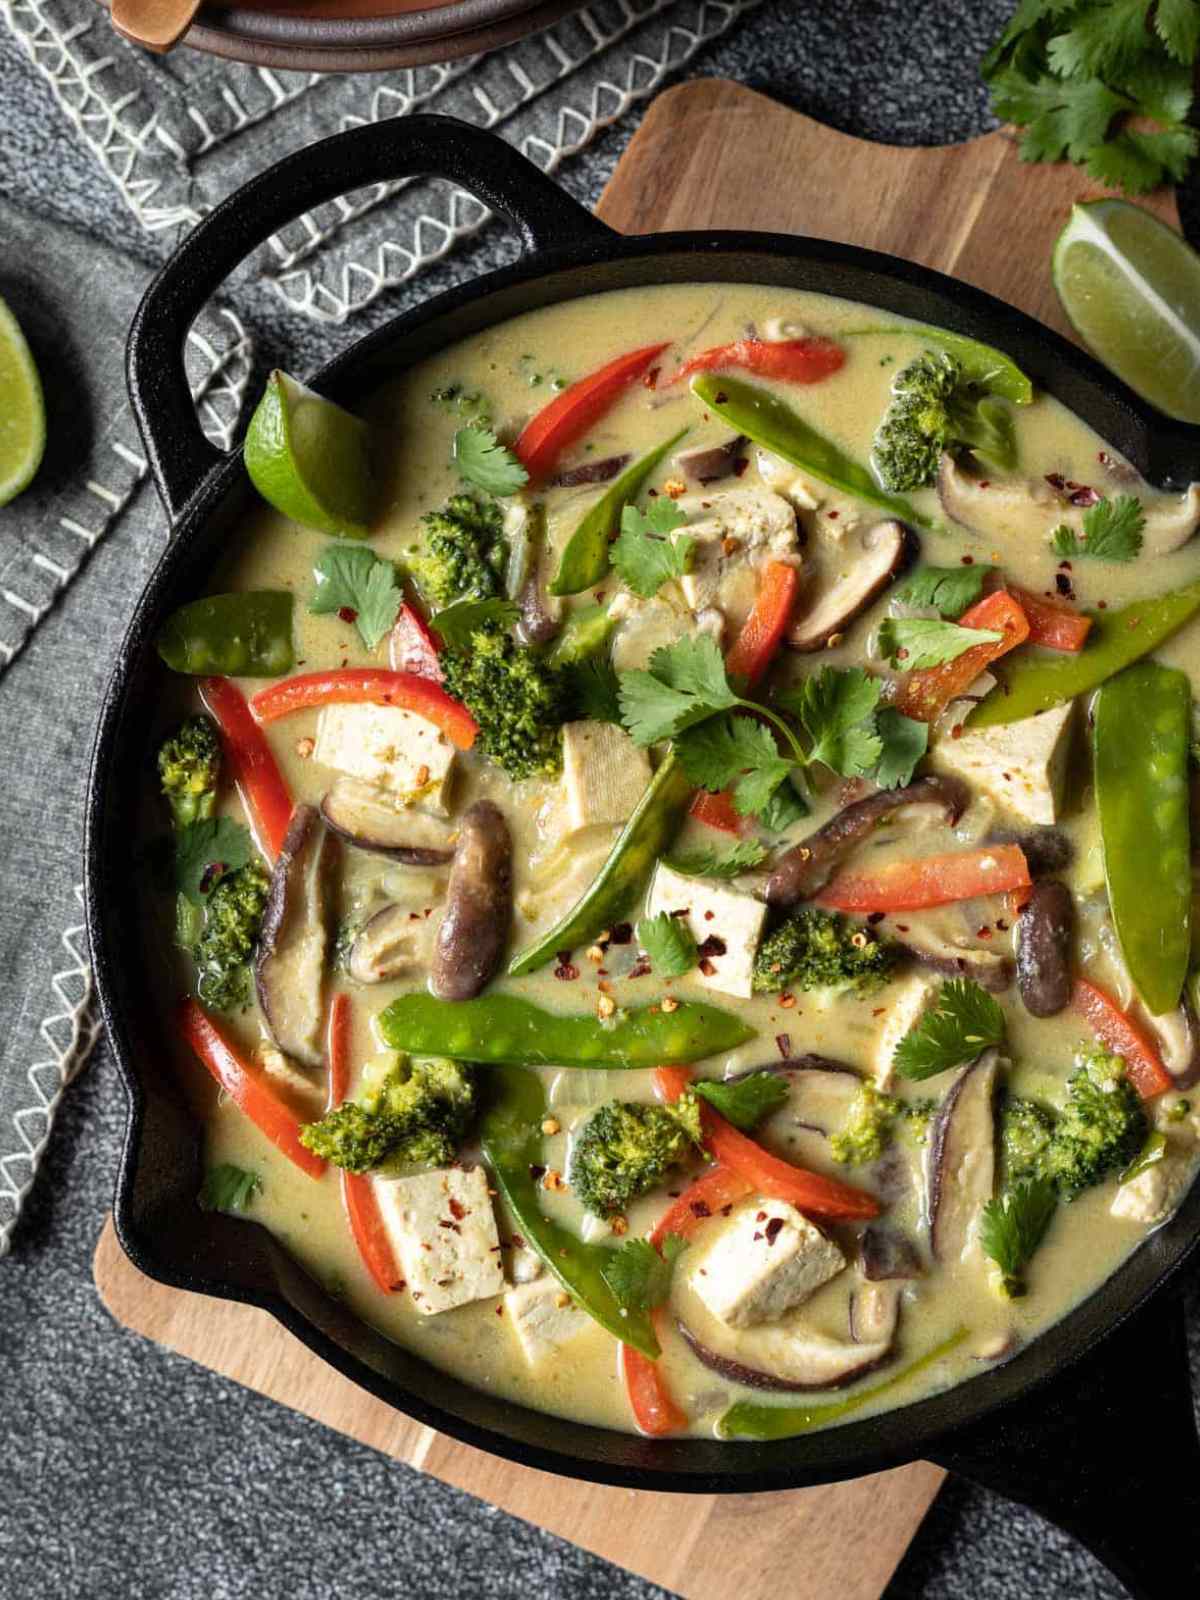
680,857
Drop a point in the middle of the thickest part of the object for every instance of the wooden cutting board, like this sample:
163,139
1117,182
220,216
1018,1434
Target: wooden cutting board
709,154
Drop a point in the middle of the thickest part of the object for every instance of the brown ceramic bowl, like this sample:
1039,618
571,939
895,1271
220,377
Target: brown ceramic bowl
365,35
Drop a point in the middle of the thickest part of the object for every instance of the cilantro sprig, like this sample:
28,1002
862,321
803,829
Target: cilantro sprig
741,857
228,1188
915,643
1112,531
207,850
456,623
851,733
964,1023
352,579
952,590
668,942
640,1278
745,1101
644,555
1012,1227
483,461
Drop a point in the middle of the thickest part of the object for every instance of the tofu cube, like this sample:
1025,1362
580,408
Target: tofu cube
542,1324
406,758
766,1261
1153,1194
727,924
909,1001
1023,765
604,773
443,1229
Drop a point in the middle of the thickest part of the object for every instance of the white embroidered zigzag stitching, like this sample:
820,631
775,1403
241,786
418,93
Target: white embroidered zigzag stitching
70,1033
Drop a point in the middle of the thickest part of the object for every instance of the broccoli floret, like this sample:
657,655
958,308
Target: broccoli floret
464,552
189,768
413,1114
232,919
519,701
868,1128
821,950
1099,1130
626,1149
1026,1132
934,409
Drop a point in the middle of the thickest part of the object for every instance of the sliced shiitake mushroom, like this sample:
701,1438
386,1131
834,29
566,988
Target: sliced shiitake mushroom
389,944
289,969
355,810
1046,849
885,550
590,472
475,925
887,1253
1045,931
709,464
803,871
929,947
962,1158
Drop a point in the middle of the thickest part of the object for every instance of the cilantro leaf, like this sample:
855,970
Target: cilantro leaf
228,1188
1112,531
1101,41
203,847
595,690
742,857
1177,23
785,807
914,643
483,461
640,1278
1013,1226
965,1022
684,684
1138,162
745,1101
836,708
645,556
455,623
951,589
669,943
904,741
734,753
352,578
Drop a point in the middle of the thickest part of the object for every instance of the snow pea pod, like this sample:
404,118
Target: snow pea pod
585,560
771,422
1035,681
1141,725
246,635
510,1136
624,875
508,1030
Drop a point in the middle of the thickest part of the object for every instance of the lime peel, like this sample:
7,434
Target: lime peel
22,410
309,459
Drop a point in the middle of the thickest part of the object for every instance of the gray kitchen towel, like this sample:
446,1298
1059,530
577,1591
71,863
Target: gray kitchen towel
75,547
175,134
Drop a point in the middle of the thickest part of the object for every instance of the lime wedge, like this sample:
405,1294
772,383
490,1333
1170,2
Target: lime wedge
1131,287
308,458
22,412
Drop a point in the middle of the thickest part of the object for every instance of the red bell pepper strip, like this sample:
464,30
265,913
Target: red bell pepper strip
925,695
413,647
786,360
654,1410
1121,1034
247,1085
768,1174
1052,623
357,685
251,765
712,1191
749,657
358,1191
931,881
569,415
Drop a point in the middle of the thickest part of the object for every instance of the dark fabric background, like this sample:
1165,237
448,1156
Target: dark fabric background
127,1472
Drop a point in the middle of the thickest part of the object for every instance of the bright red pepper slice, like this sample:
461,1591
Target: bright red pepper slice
569,415
931,881
1052,623
749,657
1121,1034
654,1409
247,1085
251,765
768,1174
786,360
358,1191
925,695
413,647
357,685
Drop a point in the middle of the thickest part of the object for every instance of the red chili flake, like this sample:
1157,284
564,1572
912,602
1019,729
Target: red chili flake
783,1042
1063,584
712,946
832,515
721,398
213,871
347,613
707,968
1002,925
760,1216
876,916
499,1311
956,732
902,926
968,561
457,1210
1056,481
983,933
640,967
708,916
700,1208
566,971
518,1242
451,1227
740,465
1102,605
621,933
536,1173
726,1210
1082,494
879,1011
673,1194
774,1228
444,1283
901,655
650,380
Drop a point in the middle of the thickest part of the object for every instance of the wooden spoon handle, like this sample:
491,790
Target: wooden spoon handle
156,24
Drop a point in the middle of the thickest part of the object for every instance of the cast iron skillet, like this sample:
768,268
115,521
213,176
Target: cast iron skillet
1101,1439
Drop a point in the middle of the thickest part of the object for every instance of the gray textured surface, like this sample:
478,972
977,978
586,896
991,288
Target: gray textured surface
131,1473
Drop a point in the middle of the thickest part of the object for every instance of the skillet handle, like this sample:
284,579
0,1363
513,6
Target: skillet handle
489,168
1109,1452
